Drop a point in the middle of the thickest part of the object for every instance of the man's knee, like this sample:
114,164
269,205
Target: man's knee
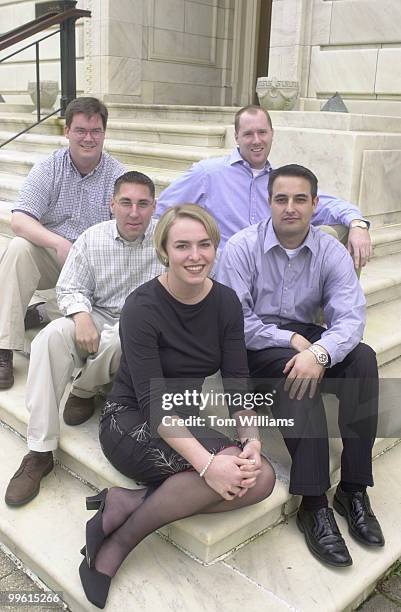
364,353
339,232
109,349
59,329
19,248
269,363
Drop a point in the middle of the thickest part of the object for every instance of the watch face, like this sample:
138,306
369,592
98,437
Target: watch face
322,359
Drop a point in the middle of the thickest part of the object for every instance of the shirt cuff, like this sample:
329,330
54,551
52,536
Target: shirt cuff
330,347
74,308
282,338
353,216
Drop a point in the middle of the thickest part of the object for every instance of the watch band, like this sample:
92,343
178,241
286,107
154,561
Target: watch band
360,223
322,358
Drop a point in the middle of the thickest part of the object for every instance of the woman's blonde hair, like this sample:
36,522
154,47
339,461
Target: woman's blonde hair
191,211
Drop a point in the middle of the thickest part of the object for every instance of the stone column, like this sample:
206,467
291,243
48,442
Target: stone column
113,50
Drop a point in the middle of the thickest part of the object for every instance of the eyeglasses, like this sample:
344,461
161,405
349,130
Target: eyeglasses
96,133
143,204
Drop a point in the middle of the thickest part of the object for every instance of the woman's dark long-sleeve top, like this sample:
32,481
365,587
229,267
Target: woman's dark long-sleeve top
161,338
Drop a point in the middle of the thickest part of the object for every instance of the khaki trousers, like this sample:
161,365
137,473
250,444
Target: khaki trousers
54,357
24,268
340,232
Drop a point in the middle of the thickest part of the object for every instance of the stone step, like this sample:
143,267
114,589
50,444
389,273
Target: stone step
278,561
13,166
386,240
204,537
169,156
173,112
381,278
48,533
391,369
192,134
383,330
10,186
16,108
271,573
17,162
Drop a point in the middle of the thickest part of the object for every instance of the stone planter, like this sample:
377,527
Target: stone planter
277,95
48,95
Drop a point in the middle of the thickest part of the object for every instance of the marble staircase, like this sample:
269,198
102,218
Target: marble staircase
248,558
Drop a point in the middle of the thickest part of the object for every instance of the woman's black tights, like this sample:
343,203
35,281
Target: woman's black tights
180,496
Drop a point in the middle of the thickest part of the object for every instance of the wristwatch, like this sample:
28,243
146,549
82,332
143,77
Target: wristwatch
360,223
321,356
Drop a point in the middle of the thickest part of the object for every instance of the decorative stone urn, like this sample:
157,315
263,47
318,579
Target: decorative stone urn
48,95
277,95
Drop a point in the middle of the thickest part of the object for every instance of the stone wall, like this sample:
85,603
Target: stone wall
349,46
147,51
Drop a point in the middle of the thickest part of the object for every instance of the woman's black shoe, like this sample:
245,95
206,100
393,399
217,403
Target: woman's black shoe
95,501
95,535
95,584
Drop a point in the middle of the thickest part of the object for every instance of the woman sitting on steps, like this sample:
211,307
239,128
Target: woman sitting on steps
180,325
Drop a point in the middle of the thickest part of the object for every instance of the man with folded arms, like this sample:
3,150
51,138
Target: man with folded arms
106,263
283,269
62,196
233,189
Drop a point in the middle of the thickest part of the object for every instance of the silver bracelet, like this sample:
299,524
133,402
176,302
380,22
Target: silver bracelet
203,472
250,440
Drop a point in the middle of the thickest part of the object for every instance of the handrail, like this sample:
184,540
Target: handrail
38,25
66,19
32,44
22,27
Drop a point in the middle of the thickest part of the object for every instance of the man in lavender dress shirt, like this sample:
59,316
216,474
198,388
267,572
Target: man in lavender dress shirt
283,270
234,188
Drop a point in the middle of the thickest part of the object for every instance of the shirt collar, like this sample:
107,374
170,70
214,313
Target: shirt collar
271,240
236,158
95,169
148,235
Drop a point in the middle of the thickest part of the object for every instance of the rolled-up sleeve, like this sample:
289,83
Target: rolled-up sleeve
76,284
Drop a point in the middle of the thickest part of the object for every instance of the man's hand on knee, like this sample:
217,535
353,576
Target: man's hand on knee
359,246
302,373
86,335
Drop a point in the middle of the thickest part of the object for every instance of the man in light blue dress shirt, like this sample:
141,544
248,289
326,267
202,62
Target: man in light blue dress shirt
234,188
283,271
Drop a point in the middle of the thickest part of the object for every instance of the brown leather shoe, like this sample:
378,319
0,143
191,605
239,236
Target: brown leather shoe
25,484
77,410
6,369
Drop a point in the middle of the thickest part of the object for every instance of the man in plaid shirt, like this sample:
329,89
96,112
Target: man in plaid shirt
106,263
63,195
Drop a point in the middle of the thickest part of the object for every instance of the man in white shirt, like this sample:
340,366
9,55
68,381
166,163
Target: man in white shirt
106,263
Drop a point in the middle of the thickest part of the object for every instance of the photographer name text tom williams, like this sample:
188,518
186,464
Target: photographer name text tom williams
212,420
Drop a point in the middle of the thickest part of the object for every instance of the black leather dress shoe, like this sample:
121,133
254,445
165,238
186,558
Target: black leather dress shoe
323,538
36,316
362,523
